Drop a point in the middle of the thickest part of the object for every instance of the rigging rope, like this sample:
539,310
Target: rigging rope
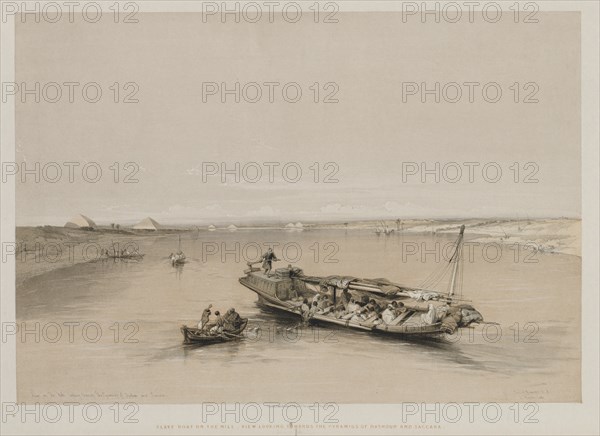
439,273
436,276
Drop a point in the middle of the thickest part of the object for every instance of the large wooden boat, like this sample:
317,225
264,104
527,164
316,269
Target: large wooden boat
424,312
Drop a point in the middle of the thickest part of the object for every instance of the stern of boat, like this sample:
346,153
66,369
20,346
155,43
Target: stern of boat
185,332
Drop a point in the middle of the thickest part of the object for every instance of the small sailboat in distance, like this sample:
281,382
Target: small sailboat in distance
386,229
179,257
382,228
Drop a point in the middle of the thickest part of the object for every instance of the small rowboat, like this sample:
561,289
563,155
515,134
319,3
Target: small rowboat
192,335
178,259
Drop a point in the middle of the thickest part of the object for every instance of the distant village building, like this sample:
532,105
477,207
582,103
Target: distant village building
211,228
81,222
147,224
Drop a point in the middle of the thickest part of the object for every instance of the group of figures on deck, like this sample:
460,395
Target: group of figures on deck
369,311
349,308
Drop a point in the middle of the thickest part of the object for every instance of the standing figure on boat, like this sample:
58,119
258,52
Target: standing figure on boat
205,316
268,258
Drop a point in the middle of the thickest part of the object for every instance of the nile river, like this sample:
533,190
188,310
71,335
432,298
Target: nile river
533,355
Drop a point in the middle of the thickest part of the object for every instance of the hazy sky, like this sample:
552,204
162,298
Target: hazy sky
370,134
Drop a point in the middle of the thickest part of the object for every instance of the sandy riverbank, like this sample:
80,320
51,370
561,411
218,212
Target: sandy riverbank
46,248
549,236
559,236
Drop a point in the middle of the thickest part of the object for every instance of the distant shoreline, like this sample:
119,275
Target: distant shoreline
338,223
556,236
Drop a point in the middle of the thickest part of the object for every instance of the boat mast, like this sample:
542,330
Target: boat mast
456,258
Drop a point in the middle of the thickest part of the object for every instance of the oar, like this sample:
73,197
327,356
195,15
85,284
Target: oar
232,335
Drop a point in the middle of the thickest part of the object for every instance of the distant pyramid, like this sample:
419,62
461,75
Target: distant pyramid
81,222
147,224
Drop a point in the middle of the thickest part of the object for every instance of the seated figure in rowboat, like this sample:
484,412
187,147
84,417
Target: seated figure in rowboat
217,326
232,320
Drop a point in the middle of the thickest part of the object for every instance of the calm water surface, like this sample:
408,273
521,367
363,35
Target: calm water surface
535,358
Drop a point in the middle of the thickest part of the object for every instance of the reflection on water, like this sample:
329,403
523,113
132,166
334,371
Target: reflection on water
533,355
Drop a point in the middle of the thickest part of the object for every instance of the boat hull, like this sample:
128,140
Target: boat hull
406,329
